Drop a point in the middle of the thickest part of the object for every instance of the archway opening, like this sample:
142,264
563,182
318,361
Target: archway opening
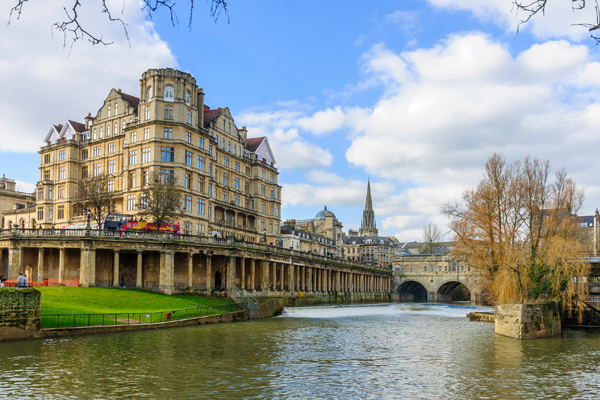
218,279
453,291
412,291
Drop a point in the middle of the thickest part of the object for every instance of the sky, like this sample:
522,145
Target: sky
414,95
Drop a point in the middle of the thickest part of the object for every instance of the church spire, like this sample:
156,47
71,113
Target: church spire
368,226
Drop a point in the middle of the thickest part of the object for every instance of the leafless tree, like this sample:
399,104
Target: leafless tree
74,30
432,236
96,195
161,200
531,8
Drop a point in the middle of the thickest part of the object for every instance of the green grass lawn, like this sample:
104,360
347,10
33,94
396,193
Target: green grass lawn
78,300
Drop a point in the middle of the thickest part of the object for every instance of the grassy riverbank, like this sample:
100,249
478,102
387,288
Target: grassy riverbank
78,300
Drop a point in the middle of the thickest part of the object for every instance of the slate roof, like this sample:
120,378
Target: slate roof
253,143
78,126
210,115
134,101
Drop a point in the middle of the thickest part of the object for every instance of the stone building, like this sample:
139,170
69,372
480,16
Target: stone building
367,246
15,207
229,181
299,239
325,223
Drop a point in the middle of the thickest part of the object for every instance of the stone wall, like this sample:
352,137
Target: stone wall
528,321
20,314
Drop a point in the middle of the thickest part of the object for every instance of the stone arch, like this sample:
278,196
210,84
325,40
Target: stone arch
444,290
412,291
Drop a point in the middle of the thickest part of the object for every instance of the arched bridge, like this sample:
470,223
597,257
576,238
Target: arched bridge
432,278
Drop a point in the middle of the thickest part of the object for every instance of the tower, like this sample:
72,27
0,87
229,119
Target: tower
368,226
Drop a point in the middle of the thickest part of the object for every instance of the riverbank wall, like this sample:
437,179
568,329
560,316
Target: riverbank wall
20,314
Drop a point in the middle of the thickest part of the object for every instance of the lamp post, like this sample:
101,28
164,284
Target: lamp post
88,218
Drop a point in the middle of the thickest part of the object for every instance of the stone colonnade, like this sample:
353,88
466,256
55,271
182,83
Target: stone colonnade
172,269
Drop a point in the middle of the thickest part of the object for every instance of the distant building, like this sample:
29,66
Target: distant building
301,240
15,206
324,224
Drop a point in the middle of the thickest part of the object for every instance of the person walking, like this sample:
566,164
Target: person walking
24,280
21,281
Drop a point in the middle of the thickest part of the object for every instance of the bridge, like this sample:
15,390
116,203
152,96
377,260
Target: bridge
432,278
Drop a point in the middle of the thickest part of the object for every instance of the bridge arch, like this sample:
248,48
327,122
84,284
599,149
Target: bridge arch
445,290
412,291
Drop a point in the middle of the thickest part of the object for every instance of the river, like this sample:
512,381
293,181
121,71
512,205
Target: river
392,351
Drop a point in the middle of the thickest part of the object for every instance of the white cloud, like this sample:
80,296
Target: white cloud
558,21
47,85
24,187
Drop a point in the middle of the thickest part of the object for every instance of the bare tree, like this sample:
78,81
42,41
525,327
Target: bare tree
519,230
96,195
432,236
161,200
531,8
74,30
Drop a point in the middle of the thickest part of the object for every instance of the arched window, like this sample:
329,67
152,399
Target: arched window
187,97
169,93
149,94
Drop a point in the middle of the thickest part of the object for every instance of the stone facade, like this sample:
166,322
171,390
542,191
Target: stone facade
15,207
229,181
528,321
20,314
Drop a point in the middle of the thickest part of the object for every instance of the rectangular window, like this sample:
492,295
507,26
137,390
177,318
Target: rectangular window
94,135
188,137
200,209
209,189
225,179
209,211
236,200
272,193
97,151
226,161
166,175
188,158
270,226
100,134
47,175
272,178
236,183
108,131
143,201
145,177
263,190
146,133
277,228
189,117
210,150
47,157
97,170
84,172
111,148
277,211
264,174
40,195
133,157
61,192
111,167
225,196
133,137
122,126
110,187
131,180
201,143
146,113
188,180
237,166
61,155
201,163
262,225
263,207
272,209
50,213
40,213
167,154
223,143
230,127
187,204
108,112
223,125
235,149
168,112
146,155
168,133
228,146
61,173
131,202
116,108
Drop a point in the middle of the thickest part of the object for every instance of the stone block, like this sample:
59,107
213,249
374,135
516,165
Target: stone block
528,321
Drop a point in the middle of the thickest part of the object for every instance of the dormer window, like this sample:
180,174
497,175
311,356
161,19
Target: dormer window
187,97
169,93
149,94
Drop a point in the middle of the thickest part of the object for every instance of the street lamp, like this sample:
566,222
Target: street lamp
88,218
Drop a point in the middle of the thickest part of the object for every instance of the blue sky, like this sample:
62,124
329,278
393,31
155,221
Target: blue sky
415,94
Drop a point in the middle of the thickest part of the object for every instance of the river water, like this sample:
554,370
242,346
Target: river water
395,351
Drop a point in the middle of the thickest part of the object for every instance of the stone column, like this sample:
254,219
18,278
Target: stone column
190,283
230,282
309,279
15,260
303,278
274,276
166,272
140,265
252,273
87,268
242,273
61,265
209,284
292,277
116,269
265,274
40,271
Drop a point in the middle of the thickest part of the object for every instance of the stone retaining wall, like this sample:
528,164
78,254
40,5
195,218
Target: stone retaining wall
20,314
528,321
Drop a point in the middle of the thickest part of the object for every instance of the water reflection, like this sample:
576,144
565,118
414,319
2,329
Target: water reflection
392,351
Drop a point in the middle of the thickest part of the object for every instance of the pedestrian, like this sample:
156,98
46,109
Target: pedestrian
2,279
20,280
24,280
122,284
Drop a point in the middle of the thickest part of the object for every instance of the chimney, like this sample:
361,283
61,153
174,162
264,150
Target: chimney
200,103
